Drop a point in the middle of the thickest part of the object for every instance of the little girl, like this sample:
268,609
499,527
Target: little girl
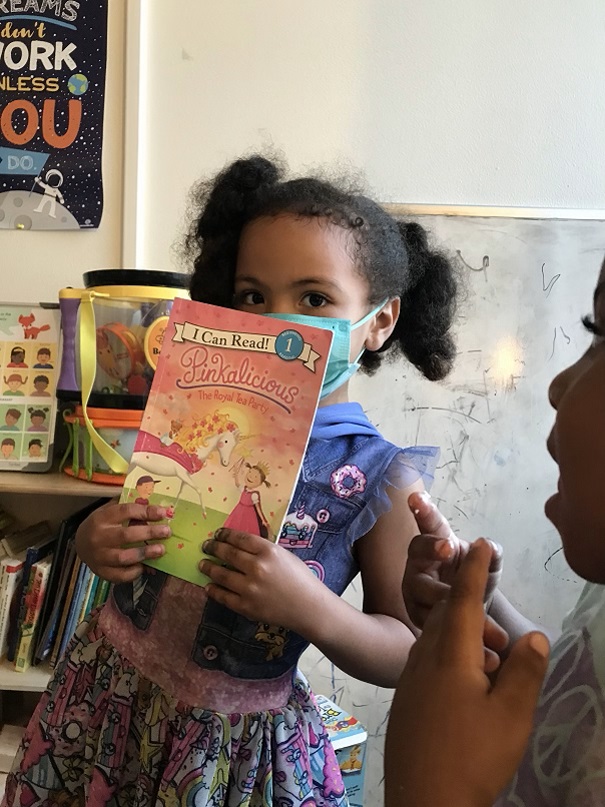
185,702
564,765
247,515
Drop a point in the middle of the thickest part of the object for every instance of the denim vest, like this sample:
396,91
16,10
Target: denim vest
338,478
329,511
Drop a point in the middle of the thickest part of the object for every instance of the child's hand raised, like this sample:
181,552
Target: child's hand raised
263,581
103,541
434,558
452,738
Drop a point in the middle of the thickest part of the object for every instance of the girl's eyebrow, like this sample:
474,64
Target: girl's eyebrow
305,281
598,291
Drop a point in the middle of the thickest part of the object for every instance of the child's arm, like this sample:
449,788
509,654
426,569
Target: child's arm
452,738
266,583
433,562
102,540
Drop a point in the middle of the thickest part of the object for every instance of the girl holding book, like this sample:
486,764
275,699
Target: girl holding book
181,703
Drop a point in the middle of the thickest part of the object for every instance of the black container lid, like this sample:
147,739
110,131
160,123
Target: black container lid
136,277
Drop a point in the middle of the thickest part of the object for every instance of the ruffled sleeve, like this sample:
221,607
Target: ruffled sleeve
406,468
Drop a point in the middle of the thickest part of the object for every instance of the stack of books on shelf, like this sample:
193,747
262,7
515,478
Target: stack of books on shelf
45,589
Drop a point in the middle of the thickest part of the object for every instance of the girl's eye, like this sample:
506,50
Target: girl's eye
315,300
248,298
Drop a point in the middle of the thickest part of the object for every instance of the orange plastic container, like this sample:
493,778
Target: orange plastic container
117,427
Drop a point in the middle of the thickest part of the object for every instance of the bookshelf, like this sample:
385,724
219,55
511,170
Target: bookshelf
30,498
33,680
53,483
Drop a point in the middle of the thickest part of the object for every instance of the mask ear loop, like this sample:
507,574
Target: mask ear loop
374,312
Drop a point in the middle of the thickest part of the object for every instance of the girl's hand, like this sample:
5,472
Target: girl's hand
263,581
434,559
452,738
104,543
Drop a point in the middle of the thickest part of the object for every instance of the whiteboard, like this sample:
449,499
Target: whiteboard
526,285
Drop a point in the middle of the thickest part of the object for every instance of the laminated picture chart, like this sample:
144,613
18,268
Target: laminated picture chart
29,345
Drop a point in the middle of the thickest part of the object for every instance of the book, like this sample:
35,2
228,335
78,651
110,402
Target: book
34,596
87,605
65,611
17,541
87,585
101,593
34,553
343,729
11,572
54,593
226,426
49,633
348,738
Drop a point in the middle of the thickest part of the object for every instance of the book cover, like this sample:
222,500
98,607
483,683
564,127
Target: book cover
88,603
18,541
65,535
79,593
50,630
34,596
11,573
75,576
87,585
35,552
343,729
101,593
226,426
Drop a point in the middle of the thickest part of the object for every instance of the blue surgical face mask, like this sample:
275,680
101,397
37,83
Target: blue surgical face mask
339,369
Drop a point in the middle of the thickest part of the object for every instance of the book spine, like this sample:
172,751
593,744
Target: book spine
96,582
13,584
33,599
102,593
46,643
87,585
66,609
3,604
74,609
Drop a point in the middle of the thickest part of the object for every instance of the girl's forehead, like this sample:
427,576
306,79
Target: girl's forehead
294,242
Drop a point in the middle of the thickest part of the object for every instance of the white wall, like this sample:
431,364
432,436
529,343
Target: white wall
35,265
448,103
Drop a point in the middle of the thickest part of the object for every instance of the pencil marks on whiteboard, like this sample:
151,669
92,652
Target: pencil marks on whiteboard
483,268
548,287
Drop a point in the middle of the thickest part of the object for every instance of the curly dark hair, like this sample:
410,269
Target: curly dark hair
394,256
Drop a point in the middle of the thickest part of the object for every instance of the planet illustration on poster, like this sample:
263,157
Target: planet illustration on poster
77,84
18,212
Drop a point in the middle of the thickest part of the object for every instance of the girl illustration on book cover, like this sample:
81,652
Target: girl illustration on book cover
247,515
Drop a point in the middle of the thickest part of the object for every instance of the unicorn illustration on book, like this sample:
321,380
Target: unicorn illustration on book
184,450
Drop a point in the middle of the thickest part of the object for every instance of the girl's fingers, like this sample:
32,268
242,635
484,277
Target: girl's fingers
138,512
225,552
118,558
220,576
465,616
494,636
428,551
253,544
428,517
144,532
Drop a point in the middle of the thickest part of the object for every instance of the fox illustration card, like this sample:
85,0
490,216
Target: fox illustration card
226,426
